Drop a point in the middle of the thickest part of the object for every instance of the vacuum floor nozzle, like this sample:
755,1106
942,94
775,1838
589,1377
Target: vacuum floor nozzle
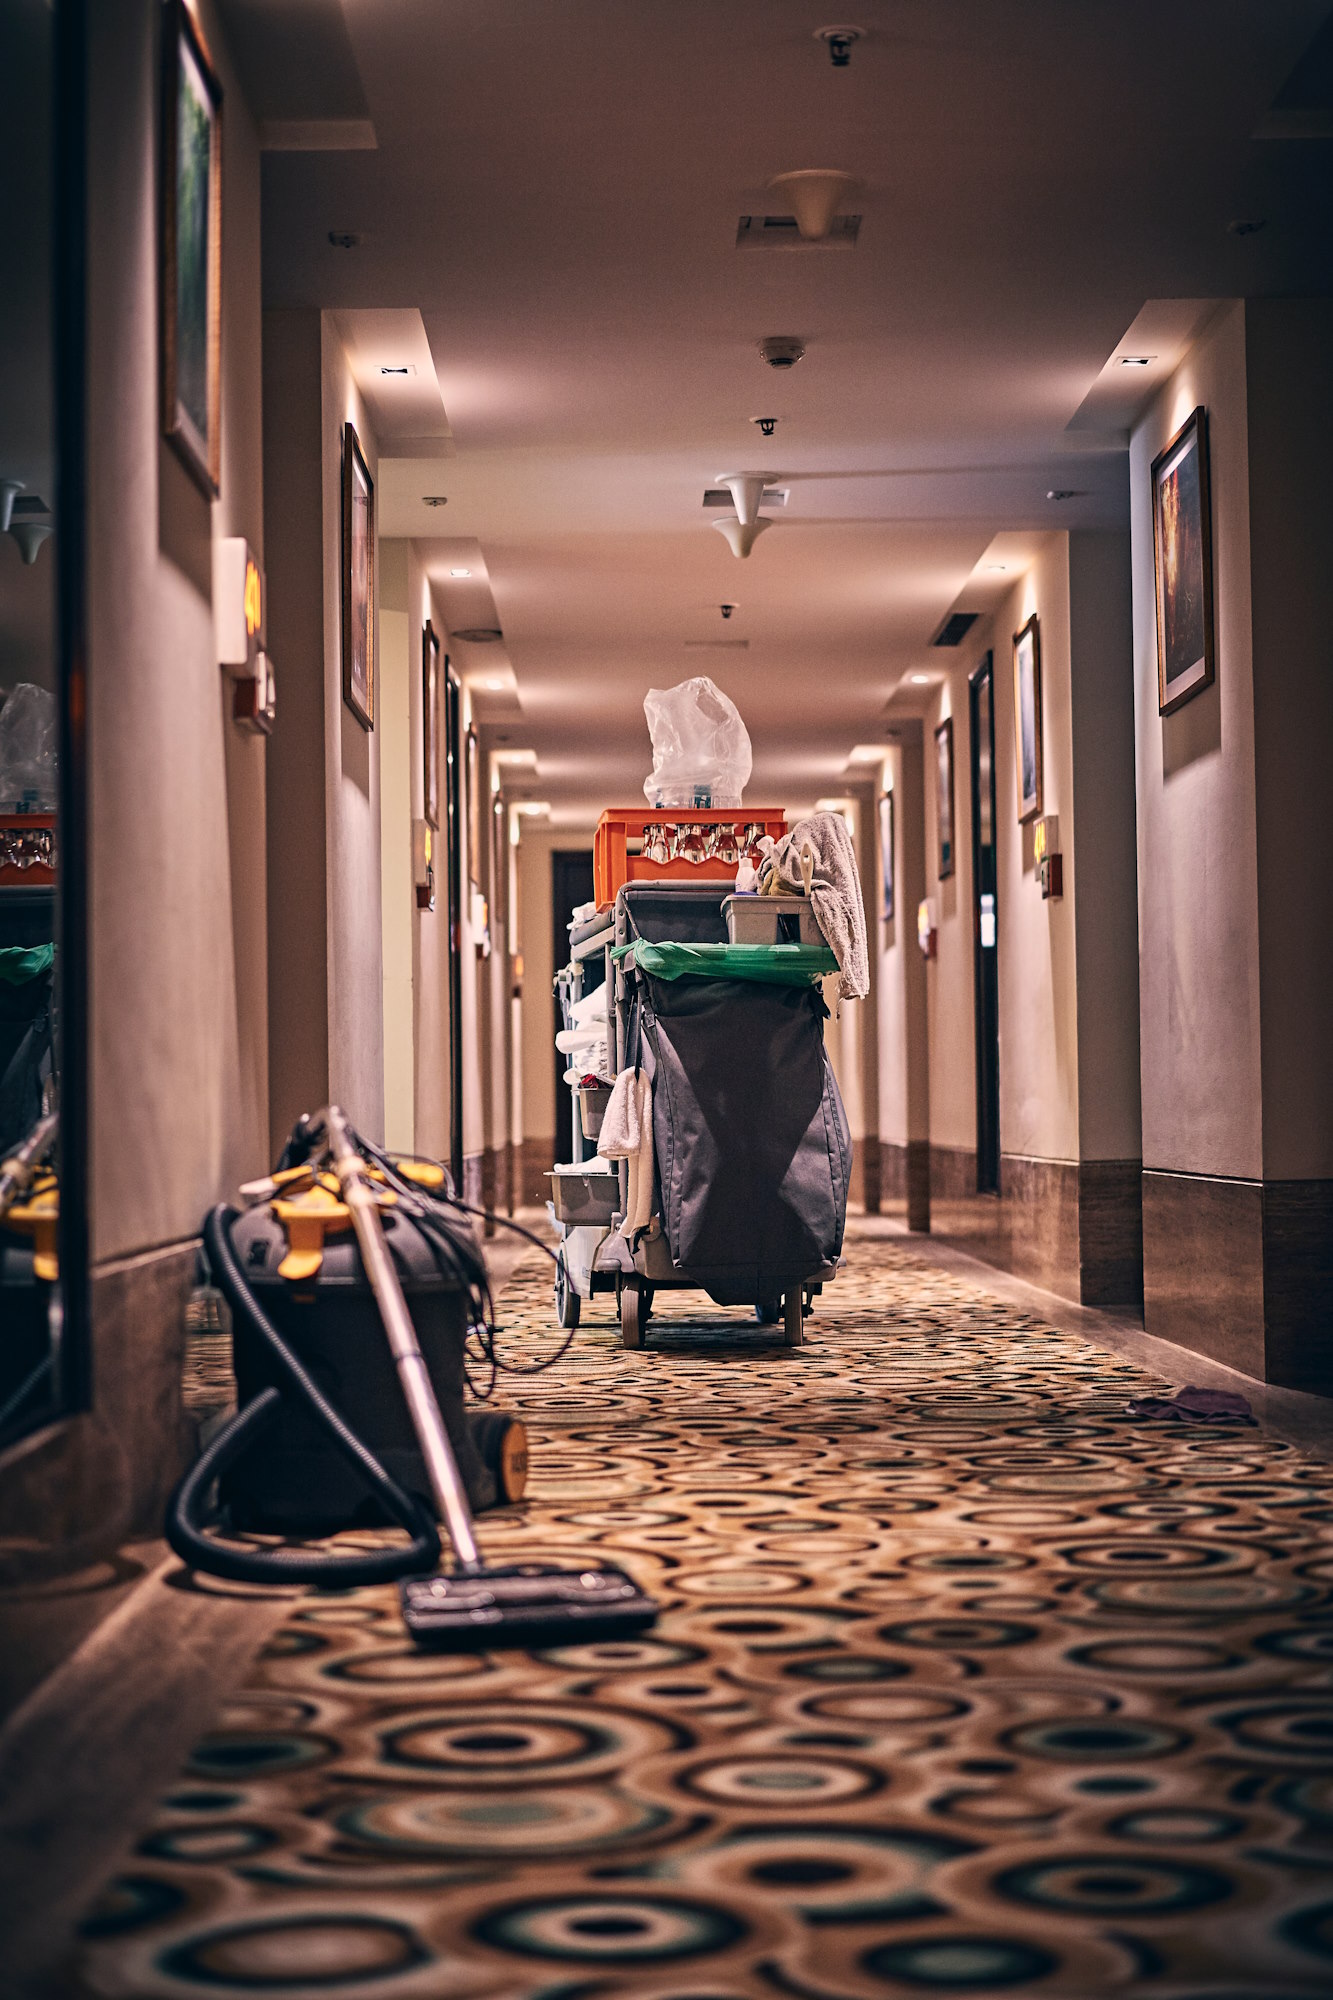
528,1604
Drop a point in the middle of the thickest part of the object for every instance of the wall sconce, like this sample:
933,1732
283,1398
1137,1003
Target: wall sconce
254,703
1046,853
423,863
927,931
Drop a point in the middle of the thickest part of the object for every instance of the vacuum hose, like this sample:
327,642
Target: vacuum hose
185,1515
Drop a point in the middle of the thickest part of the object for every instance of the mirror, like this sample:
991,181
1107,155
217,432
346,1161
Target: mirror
37,1381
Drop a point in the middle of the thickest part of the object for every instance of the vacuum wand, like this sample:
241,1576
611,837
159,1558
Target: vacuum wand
446,1483
17,1171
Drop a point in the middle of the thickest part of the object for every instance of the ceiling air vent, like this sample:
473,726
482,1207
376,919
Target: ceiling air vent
955,628
779,232
479,635
719,496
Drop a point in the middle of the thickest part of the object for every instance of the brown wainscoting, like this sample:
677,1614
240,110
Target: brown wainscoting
904,1180
1203,1266
917,1174
1110,1233
472,1178
1298,1284
953,1173
867,1150
538,1156
490,1186
84,1484
1072,1227
510,1177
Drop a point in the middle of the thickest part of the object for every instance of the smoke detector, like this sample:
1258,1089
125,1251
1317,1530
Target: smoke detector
742,535
782,350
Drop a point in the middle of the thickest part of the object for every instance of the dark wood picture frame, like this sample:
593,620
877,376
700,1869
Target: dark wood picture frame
430,724
944,796
886,855
1027,719
358,581
190,250
1182,538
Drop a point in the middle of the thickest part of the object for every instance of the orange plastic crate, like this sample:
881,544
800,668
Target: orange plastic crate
613,864
27,850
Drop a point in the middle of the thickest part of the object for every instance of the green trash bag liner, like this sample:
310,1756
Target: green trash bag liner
20,963
761,964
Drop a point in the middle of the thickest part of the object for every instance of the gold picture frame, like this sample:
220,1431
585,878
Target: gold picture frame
1027,719
358,581
1182,537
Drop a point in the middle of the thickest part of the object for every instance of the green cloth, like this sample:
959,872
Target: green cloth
761,964
20,963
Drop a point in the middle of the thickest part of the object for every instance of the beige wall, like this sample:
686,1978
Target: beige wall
176,837
537,1054
356,1013
1103,838
904,1068
953,1120
1197,869
1035,939
399,784
1289,379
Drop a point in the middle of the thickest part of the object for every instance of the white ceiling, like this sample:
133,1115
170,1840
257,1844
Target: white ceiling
555,188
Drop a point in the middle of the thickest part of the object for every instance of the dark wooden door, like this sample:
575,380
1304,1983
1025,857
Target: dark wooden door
571,884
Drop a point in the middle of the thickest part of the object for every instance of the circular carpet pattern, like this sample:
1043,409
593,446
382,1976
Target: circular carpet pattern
965,1683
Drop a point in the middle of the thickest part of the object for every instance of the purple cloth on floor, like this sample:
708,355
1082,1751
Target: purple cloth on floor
1194,1406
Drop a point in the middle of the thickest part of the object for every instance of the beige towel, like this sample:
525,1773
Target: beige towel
627,1134
835,893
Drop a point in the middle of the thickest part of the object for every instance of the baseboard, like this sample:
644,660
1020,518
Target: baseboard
1242,1271
904,1178
536,1159
1072,1227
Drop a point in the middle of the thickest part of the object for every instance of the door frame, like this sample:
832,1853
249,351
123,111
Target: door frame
454,833
985,960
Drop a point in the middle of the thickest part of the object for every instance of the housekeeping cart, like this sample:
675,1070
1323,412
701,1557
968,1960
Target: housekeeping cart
751,1150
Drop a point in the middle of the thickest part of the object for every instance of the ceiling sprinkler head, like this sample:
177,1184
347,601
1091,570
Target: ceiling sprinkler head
782,350
766,424
838,42
727,609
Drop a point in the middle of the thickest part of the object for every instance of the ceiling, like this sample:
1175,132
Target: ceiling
554,186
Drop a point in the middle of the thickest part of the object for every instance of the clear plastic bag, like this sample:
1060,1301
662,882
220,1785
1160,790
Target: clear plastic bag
701,748
28,750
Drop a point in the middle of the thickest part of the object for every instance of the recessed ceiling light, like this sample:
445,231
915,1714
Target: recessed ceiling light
1136,360
495,686
998,569
919,680
460,572
1064,493
435,499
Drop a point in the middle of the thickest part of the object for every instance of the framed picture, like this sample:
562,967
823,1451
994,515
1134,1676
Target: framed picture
1183,564
1027,719
944,794
473,808
358,582
430,724
886,853
190,251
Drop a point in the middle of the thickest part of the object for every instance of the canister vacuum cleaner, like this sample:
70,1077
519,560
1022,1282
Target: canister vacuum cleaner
318,1274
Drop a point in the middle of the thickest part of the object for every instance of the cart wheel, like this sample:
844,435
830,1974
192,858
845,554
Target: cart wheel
632,1314
647,1296
791,1318
567,1301
768,1311
502,1441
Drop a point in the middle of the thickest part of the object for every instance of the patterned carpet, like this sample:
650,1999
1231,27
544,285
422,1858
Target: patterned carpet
966,1684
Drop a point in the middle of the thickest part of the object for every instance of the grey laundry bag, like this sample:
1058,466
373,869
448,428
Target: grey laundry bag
752,1143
